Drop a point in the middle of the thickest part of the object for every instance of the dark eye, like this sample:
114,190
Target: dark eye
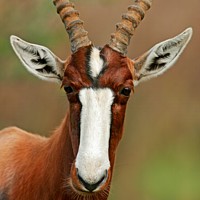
68,89
125,91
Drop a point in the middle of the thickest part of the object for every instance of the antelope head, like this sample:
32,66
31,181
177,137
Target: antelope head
98,83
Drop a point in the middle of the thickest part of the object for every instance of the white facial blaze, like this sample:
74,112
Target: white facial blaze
95,120
96,62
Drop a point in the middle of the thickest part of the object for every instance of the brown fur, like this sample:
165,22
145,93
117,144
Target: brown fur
33,167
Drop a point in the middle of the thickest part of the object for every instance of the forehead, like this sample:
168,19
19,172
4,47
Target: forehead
93,67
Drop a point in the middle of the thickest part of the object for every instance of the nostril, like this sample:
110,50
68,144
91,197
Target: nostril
92,186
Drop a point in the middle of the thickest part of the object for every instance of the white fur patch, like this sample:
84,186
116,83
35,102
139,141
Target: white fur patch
92,159
96,62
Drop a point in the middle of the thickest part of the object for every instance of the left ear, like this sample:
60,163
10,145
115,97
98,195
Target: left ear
38,60
161,57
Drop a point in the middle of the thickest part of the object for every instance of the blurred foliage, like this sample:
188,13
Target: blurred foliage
171,173
159,156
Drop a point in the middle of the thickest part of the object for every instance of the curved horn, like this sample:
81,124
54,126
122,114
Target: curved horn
77,34
124,30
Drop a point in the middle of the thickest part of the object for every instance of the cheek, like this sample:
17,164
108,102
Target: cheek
118,114
75,110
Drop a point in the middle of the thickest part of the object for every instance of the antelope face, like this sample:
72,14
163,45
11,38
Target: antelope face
98,89
98,83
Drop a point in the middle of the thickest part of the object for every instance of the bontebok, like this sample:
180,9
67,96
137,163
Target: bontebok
77,161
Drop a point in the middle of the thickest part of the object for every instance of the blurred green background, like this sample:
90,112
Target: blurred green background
159,156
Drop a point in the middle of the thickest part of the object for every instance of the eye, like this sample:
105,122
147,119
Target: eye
68,89
125,91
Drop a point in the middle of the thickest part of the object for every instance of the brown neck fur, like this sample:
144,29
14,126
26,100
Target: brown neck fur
46,172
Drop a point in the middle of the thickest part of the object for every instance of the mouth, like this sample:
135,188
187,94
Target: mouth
79,187
79,191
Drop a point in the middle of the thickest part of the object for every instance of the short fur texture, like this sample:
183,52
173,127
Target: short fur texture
38,168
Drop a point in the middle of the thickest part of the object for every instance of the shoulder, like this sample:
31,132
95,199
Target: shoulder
13,133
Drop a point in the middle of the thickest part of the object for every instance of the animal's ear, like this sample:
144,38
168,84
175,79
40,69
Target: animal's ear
161,57
39,60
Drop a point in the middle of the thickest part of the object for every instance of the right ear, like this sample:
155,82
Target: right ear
161,57
38,60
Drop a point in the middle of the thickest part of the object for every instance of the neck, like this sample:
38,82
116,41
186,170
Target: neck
47,168
59,159
59,148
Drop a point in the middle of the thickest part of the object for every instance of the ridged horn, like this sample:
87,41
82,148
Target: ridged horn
125,29
74,26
